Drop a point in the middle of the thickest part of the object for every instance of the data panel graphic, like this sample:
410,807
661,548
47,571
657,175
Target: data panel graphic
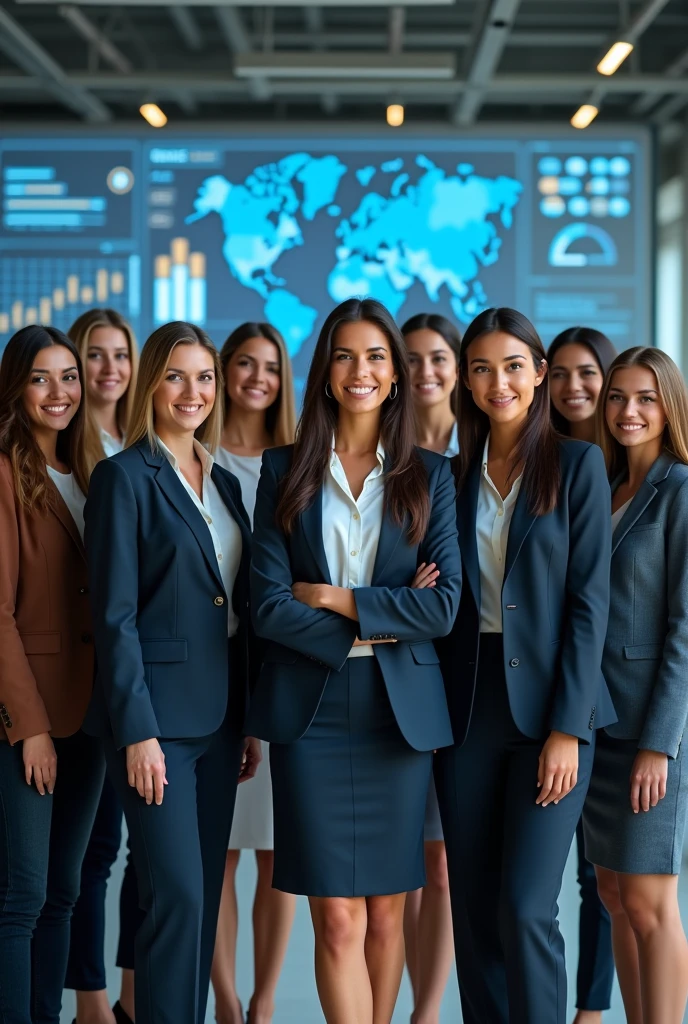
218,230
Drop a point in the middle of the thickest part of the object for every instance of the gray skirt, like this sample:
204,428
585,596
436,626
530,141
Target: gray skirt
647,843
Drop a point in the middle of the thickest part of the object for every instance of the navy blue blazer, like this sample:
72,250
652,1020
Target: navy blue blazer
159,604
308,643
646,653
555,604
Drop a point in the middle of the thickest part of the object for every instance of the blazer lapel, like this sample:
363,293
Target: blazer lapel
390,535
521,524
175,493
466,511
644,495
67,519
311,524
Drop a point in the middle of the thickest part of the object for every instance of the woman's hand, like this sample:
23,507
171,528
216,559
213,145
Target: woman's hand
253,755
426,575
40,762
311,594
557,768
648,779
146,770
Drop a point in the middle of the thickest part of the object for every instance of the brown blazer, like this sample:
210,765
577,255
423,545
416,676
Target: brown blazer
46,646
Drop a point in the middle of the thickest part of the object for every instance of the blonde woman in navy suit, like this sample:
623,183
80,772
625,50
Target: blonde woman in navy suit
434,346
350,694
522,667
635,813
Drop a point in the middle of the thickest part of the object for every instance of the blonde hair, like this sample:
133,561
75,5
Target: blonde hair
155,359
280,417
674,398
80,333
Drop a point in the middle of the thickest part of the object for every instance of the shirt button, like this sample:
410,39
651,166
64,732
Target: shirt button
208,520
219,557
356,515
500,512
219,601
354,553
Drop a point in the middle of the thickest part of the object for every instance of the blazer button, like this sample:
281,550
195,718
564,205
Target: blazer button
514,662
86,638
219,601
83,590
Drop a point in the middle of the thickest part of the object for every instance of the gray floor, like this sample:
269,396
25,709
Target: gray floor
296,997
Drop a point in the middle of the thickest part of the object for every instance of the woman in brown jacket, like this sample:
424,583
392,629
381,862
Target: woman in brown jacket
50,772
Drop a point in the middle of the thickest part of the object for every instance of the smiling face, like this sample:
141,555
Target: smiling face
633,410
252,375
434,370
361,367
185,398
53,393
107,367
575,382
501,374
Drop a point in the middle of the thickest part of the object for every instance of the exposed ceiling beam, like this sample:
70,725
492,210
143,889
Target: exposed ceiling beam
23,50
187,26
93,35
397,26
486,56
242,3
354,64
668,111
239,44
675,70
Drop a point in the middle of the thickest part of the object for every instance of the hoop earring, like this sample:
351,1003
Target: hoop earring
396,391
327,390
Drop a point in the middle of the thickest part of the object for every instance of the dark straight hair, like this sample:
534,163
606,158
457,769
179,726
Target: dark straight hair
597,343
406,493
17,440
448,331
537,447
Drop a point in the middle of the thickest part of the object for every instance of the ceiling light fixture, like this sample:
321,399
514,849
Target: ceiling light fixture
614,58
152,113
584,116
395,115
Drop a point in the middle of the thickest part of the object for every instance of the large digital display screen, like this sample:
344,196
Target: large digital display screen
219,230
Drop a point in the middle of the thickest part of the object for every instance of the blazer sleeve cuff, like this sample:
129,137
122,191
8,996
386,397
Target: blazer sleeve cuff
135,728
655,739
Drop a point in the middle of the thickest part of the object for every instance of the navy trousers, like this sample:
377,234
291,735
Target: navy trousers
506,857
179,851
42,845
86,966
595,958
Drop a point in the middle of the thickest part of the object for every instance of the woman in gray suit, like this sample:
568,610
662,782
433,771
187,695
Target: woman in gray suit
635,811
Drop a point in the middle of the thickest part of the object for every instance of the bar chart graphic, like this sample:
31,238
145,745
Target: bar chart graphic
57,290
179,284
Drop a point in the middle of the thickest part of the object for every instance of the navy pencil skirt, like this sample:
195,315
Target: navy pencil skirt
349,795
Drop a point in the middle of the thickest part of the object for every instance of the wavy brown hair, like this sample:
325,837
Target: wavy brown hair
280,417
17,441
155,358
537,448
406,485
673,396
80,333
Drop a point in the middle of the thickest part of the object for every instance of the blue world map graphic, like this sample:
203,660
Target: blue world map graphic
417,224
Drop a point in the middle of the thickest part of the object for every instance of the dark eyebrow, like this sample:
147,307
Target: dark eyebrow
507,359
99,348
579,366
373,348
172,369
645,391
37,369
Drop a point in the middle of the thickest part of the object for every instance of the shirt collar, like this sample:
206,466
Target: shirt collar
379,452
515,486
205,458
453,447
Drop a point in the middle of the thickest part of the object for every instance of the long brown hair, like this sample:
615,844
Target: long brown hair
446,330
80,333
673,396
537,448
155,359
280,417
406,492
17,440
601,349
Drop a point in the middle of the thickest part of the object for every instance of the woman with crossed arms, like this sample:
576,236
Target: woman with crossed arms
522,667
635,813
350,693
169,546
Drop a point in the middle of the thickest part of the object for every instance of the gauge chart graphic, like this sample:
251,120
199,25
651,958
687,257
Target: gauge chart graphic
57,290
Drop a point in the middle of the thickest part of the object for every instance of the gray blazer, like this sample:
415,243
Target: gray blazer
645,660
